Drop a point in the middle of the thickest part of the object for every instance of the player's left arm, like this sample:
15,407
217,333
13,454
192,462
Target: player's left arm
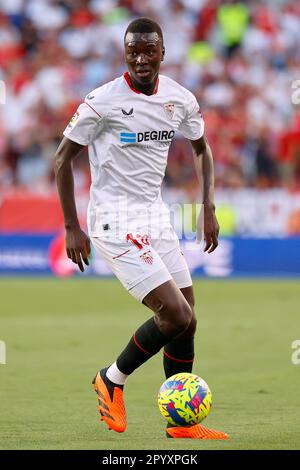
207,221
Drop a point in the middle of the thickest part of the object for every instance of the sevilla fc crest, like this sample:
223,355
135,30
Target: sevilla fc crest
169,109
147,257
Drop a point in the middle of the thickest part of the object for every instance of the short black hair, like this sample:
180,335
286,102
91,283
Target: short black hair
144,25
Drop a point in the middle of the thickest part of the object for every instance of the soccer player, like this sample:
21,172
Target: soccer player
128,125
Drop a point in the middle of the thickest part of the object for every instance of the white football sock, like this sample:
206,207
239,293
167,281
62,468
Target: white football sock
115,375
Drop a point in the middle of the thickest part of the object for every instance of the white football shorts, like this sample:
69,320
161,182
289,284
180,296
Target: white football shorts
142,264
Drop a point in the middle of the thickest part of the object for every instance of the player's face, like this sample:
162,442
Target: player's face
143,54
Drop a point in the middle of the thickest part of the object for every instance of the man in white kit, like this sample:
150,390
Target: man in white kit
128,125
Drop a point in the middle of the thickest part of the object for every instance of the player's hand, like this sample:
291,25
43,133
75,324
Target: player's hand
207,226
78,246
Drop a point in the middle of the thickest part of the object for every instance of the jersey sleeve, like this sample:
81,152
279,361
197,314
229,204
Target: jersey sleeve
85,125
192,126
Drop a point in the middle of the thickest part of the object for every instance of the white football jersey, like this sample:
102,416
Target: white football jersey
128,136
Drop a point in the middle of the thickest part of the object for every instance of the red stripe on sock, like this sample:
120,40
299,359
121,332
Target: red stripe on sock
177,360
139,346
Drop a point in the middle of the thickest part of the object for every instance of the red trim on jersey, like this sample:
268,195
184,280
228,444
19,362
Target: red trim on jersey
177,360
93,109
139,346
130,84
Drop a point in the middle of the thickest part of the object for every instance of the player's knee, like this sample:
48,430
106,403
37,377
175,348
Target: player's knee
177,317
193,325
184,317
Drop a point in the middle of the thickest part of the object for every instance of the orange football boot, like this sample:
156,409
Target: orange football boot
195,432
110,406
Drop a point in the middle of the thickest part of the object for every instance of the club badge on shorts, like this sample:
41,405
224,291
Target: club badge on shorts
147,257
169,109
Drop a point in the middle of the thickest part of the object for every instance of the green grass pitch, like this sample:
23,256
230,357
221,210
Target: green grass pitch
59,332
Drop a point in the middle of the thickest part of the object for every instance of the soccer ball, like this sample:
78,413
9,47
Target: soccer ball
184,399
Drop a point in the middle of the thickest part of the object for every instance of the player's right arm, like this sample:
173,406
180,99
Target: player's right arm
77,242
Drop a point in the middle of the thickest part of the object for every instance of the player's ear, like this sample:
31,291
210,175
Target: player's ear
163,53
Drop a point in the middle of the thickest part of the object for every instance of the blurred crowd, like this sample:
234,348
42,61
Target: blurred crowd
239,59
